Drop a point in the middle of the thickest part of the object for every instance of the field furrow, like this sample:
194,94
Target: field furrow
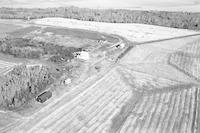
149,90
187,59
92,111
163,112
6,66
77,106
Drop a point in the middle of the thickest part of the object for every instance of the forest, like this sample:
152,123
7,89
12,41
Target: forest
22,84
184,20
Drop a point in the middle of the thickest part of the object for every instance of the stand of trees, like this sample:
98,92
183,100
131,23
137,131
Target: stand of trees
27,48
22,84
183,20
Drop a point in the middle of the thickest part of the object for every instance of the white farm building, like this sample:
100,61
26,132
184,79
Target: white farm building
82,55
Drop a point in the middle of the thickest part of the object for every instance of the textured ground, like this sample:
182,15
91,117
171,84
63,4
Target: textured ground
135,96
6,66
152,88
187,59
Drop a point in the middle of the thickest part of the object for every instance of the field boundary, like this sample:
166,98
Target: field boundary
160,40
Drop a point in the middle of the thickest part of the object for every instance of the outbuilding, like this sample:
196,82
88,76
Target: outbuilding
121,45
67,81
82,55
44,96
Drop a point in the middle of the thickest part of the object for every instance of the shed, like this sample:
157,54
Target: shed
44,96
67,81
121,45
82,55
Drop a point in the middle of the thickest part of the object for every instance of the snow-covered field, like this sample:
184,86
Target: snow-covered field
153,58
133,32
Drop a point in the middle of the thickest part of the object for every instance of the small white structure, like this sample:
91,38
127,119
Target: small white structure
28,18
121,45
49,33
82,55
67,81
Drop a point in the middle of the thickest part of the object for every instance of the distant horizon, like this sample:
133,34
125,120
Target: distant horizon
161,5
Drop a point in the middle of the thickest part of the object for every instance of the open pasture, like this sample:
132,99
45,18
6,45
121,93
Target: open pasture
23,31
80,33
71,37
7,26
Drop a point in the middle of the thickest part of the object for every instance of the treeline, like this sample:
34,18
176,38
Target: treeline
182,20
32,49
22,84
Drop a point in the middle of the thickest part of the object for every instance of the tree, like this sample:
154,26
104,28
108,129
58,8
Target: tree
22,84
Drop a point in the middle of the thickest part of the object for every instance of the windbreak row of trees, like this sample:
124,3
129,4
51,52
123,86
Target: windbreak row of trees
22,84
162,18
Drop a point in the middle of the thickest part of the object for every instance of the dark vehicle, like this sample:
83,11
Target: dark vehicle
44,96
